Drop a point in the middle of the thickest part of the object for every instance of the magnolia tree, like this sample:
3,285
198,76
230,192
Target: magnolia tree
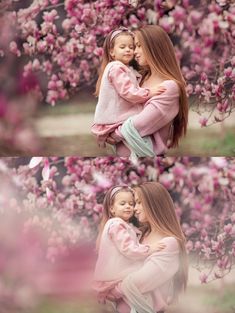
61,43
60,201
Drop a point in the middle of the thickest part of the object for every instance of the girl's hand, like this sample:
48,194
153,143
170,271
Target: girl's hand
156,91
113,139
156,247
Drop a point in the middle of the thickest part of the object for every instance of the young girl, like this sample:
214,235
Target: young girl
119,250
117,87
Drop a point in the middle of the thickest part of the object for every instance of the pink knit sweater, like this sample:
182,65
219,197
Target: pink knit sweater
120,95
150,288
155,119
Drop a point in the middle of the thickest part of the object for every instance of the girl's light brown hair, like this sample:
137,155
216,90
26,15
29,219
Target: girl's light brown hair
160,212
160,55
109,43
107,204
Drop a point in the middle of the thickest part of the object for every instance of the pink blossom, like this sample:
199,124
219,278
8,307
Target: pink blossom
42,46
46,171
35,161
195,17
203,121
67,24
50,16
228,228
3,106
25,139
14,49
233,217
203,278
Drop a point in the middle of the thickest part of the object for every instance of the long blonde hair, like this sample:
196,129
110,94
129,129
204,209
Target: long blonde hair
160,55
160,211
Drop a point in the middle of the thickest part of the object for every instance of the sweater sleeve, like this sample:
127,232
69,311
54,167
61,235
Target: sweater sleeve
120,78
162,265
137,288
159,111
127,246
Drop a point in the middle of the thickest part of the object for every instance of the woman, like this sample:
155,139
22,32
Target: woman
164,274
165,116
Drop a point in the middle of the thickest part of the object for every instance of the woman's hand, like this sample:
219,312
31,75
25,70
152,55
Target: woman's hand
156,91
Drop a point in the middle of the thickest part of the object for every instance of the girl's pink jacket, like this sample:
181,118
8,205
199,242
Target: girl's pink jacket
120,97
119,254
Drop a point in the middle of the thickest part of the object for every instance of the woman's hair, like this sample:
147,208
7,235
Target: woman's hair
109,43
160,212
160,55
107,204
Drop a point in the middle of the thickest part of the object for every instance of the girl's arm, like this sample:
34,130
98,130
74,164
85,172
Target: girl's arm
119,76
127,246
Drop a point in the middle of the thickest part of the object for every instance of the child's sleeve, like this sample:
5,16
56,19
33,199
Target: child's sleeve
125,87
157,270
127,246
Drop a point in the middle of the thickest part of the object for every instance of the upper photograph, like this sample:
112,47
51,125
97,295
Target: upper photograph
117,78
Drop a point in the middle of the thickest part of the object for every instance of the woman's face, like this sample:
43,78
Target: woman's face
139,54
139,210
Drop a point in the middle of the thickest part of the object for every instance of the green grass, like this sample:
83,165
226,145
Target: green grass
224,302
206,299
227,144
70,108
197,299
204,142
53,306
195,144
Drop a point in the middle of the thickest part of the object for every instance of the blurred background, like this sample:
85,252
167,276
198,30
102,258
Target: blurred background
50,209
50,53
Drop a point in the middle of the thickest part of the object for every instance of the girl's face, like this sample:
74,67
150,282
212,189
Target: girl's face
123,49
123,205
139,54
139,210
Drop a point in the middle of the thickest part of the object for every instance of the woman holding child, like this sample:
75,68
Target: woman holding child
163,118
140,274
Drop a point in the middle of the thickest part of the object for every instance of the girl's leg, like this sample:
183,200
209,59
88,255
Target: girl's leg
123,307
122,150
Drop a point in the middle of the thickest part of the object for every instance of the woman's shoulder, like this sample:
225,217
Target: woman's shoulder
171,86
171,243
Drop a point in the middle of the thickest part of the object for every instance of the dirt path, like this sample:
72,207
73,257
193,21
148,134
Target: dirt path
80,124
69,134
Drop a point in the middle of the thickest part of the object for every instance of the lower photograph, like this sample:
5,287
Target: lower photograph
99,235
